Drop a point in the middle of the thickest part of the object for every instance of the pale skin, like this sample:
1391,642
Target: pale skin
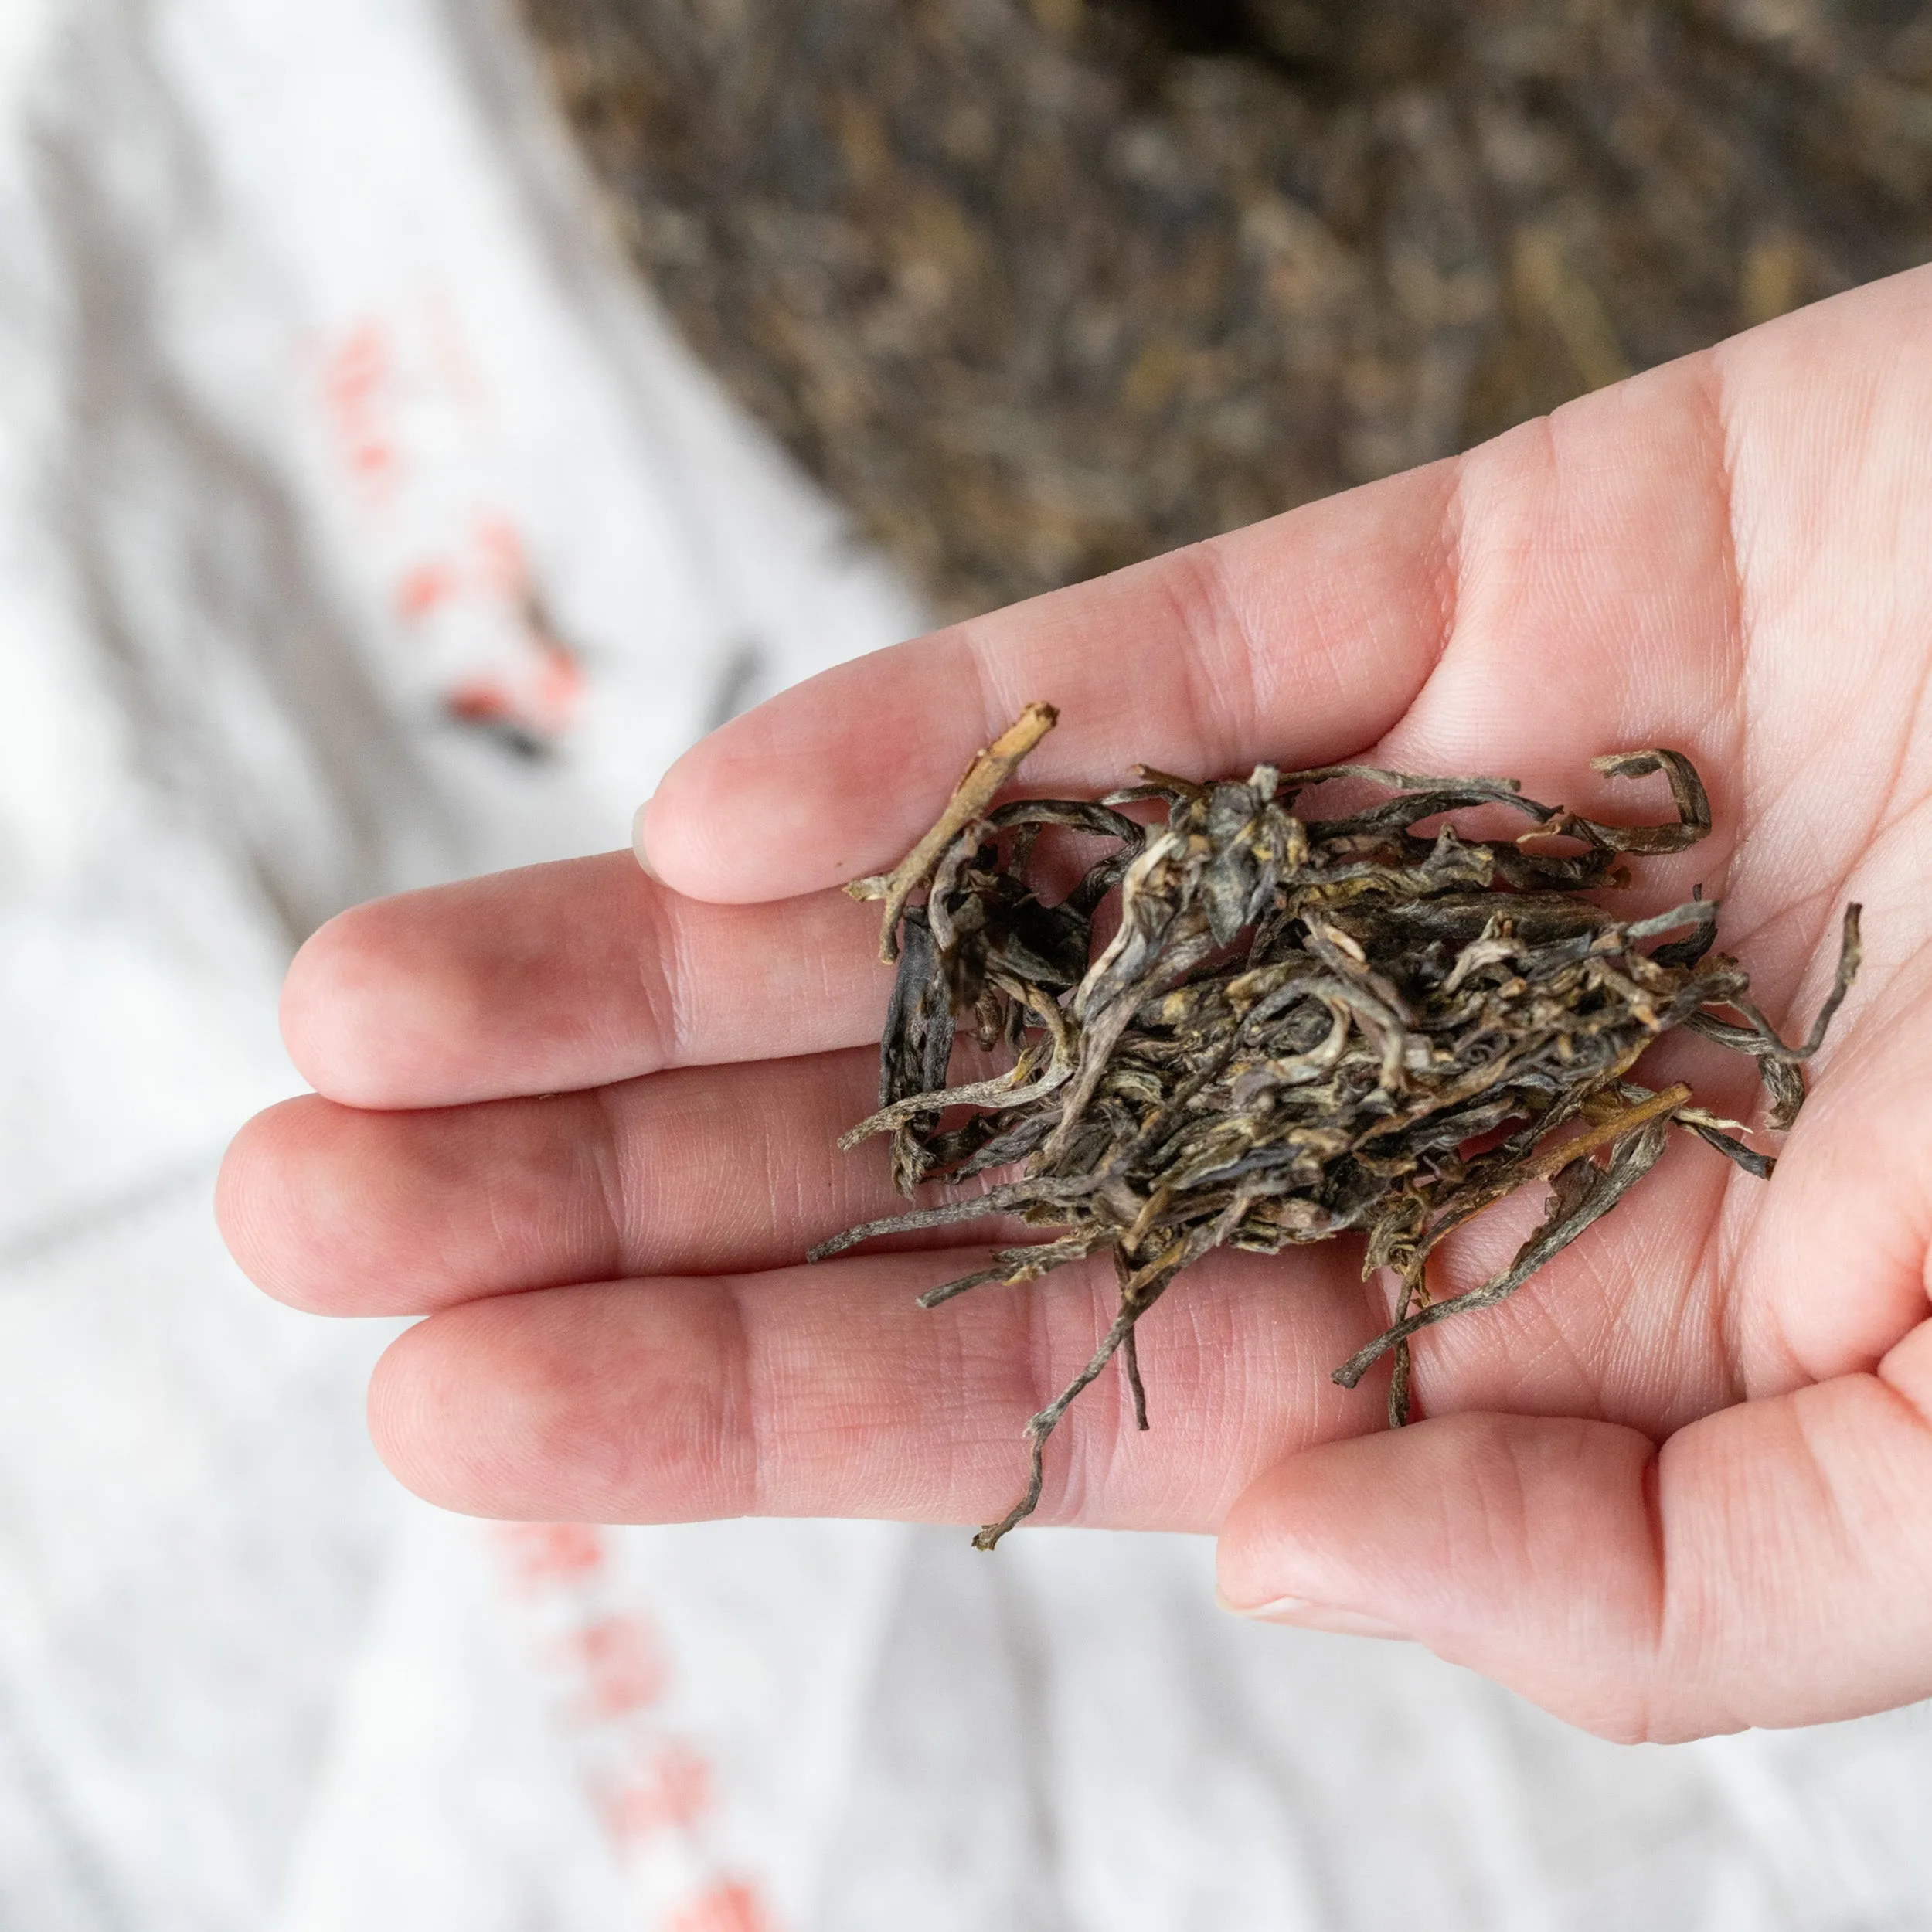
582,1118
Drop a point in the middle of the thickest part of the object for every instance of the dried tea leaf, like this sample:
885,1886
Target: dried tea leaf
1300,1027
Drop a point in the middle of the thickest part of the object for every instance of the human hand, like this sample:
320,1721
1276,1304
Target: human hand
1681,1482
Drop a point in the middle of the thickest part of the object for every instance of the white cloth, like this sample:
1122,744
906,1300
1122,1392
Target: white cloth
315,364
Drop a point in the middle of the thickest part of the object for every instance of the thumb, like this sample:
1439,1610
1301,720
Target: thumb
1772,1565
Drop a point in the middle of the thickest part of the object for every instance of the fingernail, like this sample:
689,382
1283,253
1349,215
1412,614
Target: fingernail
637,841
1305,1615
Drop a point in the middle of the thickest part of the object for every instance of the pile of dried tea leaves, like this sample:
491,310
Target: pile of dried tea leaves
1039,287
1300,1026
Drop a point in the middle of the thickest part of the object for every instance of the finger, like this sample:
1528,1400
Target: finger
826,1391
343,1210
1773,1565
1298,638
566,976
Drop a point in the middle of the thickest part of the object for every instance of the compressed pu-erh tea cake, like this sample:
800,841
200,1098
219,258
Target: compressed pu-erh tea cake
1039,287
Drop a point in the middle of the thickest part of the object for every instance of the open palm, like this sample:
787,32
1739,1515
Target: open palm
586,1120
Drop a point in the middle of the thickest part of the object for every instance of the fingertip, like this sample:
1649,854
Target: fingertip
640,846
1521,1546
448,1414
244,1201
403,1410
305,1001
608,1402
1278,1543
351,1211
359,996
795,796
691,834
309,1202
305,1219
518,982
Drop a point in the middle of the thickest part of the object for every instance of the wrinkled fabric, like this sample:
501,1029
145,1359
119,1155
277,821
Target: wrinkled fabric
361,524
